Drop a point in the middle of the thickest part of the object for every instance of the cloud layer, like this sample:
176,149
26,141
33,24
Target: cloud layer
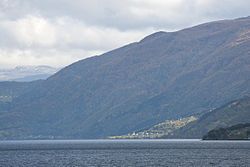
57,33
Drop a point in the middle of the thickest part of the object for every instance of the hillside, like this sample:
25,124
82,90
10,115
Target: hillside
168,127
9,90
235,112
236,132
167,75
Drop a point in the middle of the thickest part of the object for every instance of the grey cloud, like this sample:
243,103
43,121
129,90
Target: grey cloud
40,31
136,14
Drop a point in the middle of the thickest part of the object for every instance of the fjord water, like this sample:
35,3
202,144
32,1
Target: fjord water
124,153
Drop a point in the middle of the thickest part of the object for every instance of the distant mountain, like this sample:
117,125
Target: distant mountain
167,75
236,132
27,73
235,112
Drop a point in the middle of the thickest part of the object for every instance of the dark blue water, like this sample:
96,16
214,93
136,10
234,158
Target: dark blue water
124,153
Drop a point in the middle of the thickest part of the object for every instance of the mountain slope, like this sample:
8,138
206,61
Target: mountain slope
159,130
236,132
164,76
235,112
9,90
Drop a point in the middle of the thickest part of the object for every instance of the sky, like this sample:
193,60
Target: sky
60,32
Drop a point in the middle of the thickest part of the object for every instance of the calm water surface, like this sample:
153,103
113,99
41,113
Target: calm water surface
124,153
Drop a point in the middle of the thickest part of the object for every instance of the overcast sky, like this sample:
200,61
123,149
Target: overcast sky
59,32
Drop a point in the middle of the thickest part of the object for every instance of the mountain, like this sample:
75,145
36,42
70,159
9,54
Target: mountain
235,112
27,73
236,132
10,90
166,75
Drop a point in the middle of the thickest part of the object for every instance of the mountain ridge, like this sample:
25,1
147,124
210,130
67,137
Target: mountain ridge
165,76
